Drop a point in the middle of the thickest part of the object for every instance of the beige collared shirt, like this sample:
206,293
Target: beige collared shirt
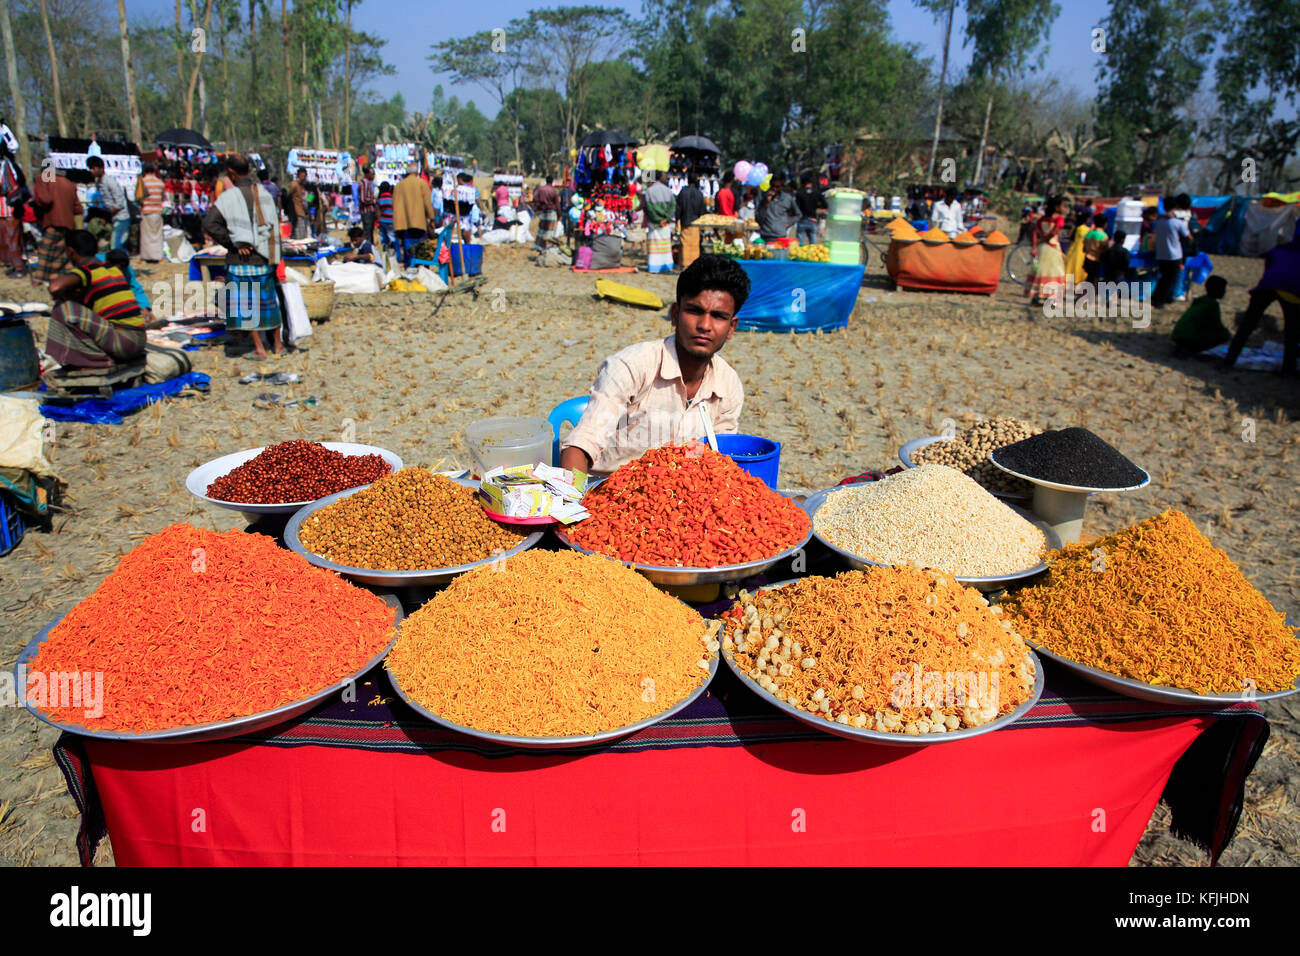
638,402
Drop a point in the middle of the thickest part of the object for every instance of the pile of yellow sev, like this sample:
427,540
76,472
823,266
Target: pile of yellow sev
896,650
551,644
1159,603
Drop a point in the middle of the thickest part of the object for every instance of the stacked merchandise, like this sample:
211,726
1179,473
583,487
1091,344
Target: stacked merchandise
844,230
605,177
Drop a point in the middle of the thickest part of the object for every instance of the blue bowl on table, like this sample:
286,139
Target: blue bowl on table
761,457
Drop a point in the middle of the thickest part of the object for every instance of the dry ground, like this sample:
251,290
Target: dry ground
839,403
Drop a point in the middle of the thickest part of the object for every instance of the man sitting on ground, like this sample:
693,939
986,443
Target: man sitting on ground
96,322
652,393
1201,326
361,249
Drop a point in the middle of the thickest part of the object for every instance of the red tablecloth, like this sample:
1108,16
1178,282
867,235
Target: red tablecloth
729,780
1045,796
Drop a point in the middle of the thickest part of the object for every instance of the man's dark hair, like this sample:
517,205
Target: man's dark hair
550,180
727,177
119,258
147,167
94,162
1119,237
385,187
263,174
82,242
1216,286
720,273
1182,201
1099,219
806,179
237,164
356,231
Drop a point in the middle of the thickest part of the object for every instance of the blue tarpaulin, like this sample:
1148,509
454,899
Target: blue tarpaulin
109,411
798,296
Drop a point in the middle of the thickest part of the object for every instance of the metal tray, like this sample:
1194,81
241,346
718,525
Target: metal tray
389,579
1153,692
683,577
198,480
988,583
881,737
556,743
916,444
198,733
1051,484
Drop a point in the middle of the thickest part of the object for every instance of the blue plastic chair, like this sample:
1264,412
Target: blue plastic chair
567,411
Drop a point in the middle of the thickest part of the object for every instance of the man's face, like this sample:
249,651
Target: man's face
302,176
356,241
97,172
704,323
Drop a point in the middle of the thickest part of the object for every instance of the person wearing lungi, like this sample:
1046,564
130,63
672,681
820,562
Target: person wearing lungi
96,321
243,220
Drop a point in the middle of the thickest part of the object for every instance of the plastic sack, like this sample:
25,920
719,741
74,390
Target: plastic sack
296,326
1198,268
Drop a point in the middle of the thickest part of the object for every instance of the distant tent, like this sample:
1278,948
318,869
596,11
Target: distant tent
1223,232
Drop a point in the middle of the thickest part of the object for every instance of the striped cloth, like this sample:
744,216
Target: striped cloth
252,304
660,241
81,338
51,255
152,187
107,291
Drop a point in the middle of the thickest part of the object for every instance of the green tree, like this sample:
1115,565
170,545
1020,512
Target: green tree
496,61
1259,66
1157,52
1004,35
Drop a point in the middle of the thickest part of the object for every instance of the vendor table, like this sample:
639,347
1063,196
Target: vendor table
798,296
945,266
729,780
205,268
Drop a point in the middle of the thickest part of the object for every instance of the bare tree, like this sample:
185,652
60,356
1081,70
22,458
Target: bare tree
54,72
129,70
15,90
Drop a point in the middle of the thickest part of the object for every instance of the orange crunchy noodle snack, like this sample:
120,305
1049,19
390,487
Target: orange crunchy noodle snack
1159,603
897,650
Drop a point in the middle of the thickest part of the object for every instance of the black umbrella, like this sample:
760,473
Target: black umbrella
701,143
607,137
183,138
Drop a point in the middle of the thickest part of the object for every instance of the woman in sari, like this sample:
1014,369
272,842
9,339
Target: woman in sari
243,220
1049,263
1075,257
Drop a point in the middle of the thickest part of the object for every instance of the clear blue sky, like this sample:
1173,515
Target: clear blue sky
412,26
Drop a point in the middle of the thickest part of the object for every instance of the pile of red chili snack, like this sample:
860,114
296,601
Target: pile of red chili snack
680,507
296,471
196,627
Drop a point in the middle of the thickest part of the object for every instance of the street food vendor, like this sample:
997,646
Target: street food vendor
652,393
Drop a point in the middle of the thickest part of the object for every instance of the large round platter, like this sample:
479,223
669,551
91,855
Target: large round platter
684,577
989,583
916,444
389,579
878,736
1153,692
557,743
197,733
1058,487
198,480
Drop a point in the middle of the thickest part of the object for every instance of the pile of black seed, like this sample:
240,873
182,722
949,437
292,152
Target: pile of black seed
1070,456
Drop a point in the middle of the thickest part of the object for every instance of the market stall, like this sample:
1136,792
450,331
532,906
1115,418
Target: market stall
694,156
465,687
605,176
391,160
966,264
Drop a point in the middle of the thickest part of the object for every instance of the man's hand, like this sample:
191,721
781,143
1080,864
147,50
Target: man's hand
575,459
244,249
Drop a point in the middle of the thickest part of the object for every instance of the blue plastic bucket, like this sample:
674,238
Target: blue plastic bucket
761,457
20,366
473,259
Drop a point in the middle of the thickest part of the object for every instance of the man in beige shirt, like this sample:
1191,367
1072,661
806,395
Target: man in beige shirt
651,393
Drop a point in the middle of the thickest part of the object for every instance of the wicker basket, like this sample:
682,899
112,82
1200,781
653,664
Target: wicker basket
319,299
